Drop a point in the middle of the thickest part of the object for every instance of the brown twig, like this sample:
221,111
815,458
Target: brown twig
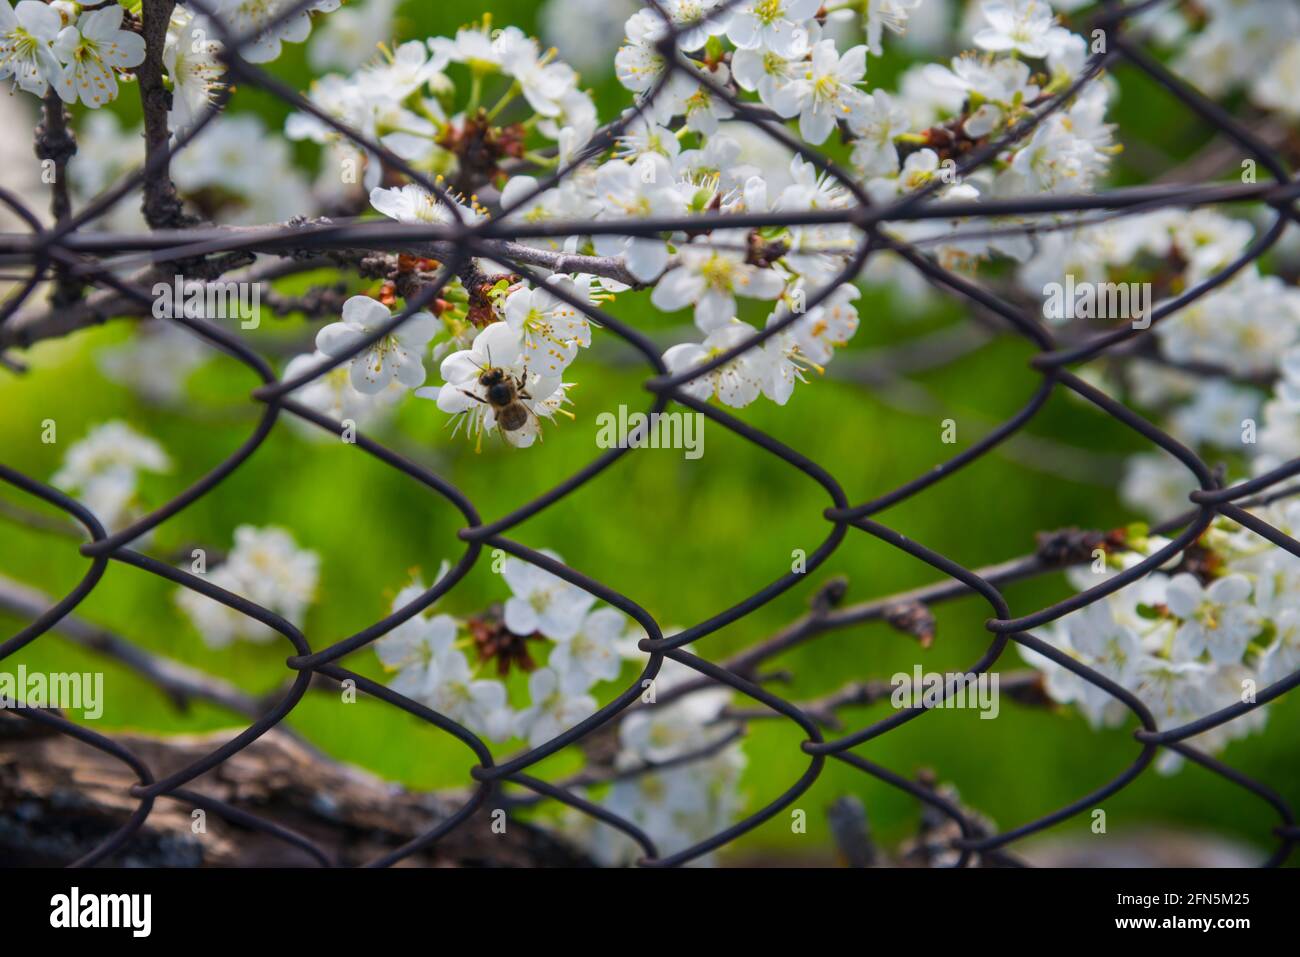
162,207
180,683
56,145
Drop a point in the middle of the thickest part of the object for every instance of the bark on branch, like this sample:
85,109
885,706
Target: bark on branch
59,798
39,322
162,207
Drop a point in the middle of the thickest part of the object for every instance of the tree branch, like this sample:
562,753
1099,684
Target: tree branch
55,144
180,683
35,324
162,207
72,797
30,326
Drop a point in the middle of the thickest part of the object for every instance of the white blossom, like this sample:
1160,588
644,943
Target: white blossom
245,170
397,356
102,469
543,602
568,201
1217,414
875,122
639,190
552,711
255,17
1157,484
478,703
544,82
1278,88
736,383
775,25
772,76
265,566
550,329
697,20
1215,619
592,653
28,37
828,325
464,395
891,14
350,36
415,646
192,62
1019,25
101,46
711,273
827,93
412,203
655,733
333,394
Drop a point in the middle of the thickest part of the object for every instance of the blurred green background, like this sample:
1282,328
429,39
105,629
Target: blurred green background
685,539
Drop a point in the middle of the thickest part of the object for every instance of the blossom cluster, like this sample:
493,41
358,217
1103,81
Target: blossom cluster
267,567
102,469
1222,374
677,773
587,645
1213,628
192,54
1210,630
677,156
458,667
1227,45
224,181
78,51
46,47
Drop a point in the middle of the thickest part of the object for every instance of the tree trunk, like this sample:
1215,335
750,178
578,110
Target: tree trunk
60,798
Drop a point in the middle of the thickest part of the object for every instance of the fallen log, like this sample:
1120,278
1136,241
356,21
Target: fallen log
60,798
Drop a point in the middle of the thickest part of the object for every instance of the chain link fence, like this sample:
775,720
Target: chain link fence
69,249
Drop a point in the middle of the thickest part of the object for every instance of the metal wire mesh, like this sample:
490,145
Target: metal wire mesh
67,245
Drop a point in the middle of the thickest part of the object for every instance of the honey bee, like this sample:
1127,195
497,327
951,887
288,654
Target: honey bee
504,393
